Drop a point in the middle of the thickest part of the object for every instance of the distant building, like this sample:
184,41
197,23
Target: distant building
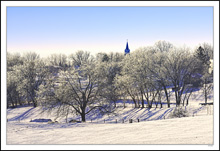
127,50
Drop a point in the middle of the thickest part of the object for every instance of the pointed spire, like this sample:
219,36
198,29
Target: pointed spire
127,46
127,50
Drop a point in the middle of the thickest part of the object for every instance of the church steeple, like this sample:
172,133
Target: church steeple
127,50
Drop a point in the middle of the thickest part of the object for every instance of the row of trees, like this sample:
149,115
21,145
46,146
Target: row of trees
80,83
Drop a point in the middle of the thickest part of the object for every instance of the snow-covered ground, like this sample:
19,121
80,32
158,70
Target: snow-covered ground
190,130
155,126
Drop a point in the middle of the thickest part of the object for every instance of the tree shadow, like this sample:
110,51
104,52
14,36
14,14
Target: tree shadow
165,113
22,116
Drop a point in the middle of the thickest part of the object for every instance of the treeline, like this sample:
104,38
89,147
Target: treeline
81,82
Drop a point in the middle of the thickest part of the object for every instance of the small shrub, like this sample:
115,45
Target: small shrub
179,112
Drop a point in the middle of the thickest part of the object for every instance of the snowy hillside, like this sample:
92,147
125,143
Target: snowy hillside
191,130
149,126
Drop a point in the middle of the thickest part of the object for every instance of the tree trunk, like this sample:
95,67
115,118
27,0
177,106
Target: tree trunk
19,101
205,92
177,102
135,104
187,101
151,104
159,98
167,96
83,116
146,97
12,101
179,99
142,99
115,105
33,98
34,103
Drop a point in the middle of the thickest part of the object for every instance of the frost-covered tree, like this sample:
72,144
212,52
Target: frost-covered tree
181,67
13,96
207,86
159,78
30,75
77,88
154,72
115,56
58,60
125,84
208,49
163,46
105,58
81,57
203,55
132,78
108,71
31,56
13,59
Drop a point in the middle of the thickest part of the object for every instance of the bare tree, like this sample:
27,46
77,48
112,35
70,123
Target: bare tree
181,66
109,70
13,96
81,57
58,60
13,59
163,46
159,73
77,87
31,74
31,56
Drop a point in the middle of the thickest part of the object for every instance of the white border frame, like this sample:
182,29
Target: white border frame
215,4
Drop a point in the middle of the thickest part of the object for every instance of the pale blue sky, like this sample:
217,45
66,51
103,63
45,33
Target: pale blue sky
67,29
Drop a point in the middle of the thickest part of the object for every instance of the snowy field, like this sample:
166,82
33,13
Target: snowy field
155,126
190,130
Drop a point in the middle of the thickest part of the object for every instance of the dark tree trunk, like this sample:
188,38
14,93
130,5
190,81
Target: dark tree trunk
115,105
19,101
159,98
142,101
167,96
135,104
133,98
35,103
187,101
151,104
83,116
148,103
11,101
205,92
